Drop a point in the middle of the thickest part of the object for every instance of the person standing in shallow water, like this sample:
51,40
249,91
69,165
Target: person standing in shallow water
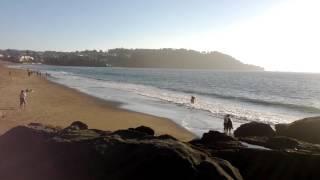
192,99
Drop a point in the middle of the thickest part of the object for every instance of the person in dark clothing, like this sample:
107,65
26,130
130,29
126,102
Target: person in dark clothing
193,99
229,125
225,123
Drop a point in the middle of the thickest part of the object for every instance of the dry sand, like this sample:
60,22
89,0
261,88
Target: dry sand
56,105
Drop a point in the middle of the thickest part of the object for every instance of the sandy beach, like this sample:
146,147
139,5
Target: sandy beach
56,105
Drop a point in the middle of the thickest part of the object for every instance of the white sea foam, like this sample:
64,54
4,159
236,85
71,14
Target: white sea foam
205,114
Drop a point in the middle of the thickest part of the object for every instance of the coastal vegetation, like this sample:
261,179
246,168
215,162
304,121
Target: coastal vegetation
142,58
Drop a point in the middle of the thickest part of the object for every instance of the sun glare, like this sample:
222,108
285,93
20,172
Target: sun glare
286,37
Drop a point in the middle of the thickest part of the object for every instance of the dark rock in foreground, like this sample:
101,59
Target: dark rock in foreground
306,129
80,153
39,152
254,129
77,125
280,161
145,130
216,140
274,158
272,164
280,142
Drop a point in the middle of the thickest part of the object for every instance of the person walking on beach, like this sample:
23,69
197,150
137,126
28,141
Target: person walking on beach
10,75
23,99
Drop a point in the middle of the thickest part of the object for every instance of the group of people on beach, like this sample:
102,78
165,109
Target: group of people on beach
30,73
23,92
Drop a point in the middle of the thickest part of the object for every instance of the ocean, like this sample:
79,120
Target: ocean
269,97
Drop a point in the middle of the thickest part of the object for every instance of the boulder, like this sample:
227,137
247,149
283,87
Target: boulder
281,128
254,129
166,136
275,142
21,135
217,140
214,136
272,164
135,133
144,129
280,142
130,134
78,125
306,130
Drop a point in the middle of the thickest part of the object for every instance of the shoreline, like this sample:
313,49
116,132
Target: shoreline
117,105
57,99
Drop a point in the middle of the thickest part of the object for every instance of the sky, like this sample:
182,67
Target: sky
279,35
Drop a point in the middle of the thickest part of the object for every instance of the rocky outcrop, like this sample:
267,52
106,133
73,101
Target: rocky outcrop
216,140
40,152
305,129
145,130
276,142
272,164
273,157
282,143
77,125
281,128
254,129
81,153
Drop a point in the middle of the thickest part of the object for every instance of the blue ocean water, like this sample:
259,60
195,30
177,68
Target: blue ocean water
270,97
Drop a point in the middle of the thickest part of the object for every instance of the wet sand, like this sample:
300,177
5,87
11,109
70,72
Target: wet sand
56,105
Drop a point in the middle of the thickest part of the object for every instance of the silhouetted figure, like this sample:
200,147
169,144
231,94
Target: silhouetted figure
28,72
227,124
193,99
10,75
23,99
230,126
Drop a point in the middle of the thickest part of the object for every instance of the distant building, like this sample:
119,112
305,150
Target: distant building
1,55
24,59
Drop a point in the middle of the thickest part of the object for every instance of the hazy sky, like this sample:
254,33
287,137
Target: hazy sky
276,34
